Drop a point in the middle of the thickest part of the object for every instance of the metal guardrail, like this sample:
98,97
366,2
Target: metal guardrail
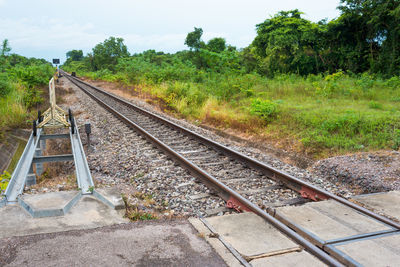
18,177
54,117
83,176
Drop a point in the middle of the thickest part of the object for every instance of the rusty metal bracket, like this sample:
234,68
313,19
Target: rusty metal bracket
311,194
233,203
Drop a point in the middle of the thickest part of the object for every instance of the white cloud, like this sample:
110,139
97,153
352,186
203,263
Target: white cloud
46,33
151,24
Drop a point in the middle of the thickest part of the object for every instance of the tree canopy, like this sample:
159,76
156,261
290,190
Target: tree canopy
365,37
193,39
288,43
216,45
5,48
75,55
106,54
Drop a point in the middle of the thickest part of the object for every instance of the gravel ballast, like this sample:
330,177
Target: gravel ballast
363,172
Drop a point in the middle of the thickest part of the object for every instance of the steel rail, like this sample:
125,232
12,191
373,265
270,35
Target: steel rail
290,181
225,191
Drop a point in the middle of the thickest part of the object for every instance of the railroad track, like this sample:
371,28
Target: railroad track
238,179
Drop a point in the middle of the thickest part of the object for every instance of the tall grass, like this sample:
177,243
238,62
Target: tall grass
21,80
13,112
324,114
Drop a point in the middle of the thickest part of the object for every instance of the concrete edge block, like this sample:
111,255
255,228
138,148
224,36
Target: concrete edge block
49,212
3,202
368,195
106,201
219,248
39,213
25,205
72,202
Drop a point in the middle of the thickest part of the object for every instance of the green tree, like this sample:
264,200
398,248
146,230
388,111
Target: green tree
288,43
107,53
248,59
5,48
216,45
375,27
193,39
75,55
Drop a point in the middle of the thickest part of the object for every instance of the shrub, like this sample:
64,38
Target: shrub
266,109
396,139
5,86
4,179
375,105
393,82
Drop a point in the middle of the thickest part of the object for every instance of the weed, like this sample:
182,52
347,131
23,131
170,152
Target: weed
4,180
91,189
147,198
375,105
139,175
133,213
396,139
266,109
45,176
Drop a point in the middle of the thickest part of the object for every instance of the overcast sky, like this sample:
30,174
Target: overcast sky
48,29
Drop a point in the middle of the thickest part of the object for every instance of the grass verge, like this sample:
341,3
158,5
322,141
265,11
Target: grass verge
17,156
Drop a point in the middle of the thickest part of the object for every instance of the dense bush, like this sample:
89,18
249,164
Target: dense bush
266,109
5,85
21,83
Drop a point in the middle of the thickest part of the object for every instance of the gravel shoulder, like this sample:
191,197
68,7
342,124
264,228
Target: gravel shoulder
363,172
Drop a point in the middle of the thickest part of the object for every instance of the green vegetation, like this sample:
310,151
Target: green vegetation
134,213
20,81
4,179
326,87
17,155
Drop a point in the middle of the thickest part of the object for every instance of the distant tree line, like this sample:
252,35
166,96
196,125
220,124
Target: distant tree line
365,37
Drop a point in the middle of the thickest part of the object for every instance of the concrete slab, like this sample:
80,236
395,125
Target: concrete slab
51,200
301,258
386,203
149,243
225,254
240,232
331,220
384,251
49,204
111,197
88,213
3,202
